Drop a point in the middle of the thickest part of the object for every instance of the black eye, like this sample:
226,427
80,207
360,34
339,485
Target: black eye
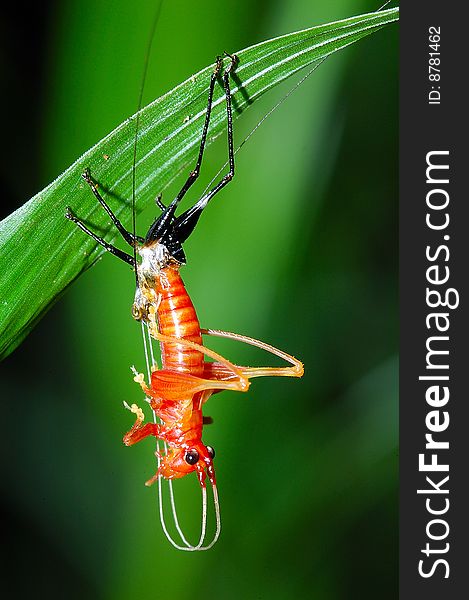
191,457
211,451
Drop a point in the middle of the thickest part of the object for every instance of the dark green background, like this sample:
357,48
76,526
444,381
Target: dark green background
300,251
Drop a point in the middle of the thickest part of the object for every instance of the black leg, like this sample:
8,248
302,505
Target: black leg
159,202
184,225
112,249
162,221
128,237
195,172
229,115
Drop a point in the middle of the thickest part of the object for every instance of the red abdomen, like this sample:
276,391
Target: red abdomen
177,318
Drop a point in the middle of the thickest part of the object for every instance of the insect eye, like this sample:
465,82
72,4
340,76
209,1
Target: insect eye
191,457
211,451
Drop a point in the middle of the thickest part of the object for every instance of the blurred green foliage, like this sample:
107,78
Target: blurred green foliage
301,251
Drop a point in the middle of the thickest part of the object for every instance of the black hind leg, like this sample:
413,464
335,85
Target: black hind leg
184,225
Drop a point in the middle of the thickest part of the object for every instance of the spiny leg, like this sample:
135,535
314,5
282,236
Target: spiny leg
173,386
106,245
175,383
127,235
240,382
196,171
296,370
184,224
160,222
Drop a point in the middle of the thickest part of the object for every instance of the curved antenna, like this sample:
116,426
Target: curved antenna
147,342
156,18
187,546
216,505
175,514
149,356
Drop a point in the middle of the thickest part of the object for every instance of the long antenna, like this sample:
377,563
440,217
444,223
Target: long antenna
156,18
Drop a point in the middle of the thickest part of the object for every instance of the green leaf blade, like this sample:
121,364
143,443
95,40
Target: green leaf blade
42,253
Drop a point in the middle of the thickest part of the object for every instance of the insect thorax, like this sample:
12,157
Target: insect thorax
155,257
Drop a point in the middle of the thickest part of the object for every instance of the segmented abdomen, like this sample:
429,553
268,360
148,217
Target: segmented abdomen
177,318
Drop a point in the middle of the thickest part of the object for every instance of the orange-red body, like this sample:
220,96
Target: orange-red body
185,381
180,412
175,394
177,318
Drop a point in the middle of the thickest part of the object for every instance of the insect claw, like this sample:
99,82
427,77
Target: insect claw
138,377
69,213
234,62
138,412
218,65
87,175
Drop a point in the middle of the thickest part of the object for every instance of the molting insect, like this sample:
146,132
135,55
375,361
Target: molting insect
179,389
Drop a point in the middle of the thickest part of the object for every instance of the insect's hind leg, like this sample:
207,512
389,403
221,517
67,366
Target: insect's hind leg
168,212
296,370
203,140
172,385
185,223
